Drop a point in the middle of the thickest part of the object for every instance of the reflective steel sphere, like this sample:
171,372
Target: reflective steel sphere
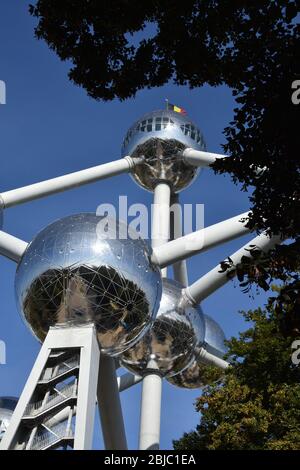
195,376
159,137
214,337
171,343
7,406
86,268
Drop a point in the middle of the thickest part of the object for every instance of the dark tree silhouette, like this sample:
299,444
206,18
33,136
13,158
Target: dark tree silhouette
118,47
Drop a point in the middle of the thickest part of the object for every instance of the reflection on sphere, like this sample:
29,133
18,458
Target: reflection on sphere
197,374
171,343
159,138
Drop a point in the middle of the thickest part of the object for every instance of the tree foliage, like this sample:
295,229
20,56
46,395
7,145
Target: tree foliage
118,47
257,405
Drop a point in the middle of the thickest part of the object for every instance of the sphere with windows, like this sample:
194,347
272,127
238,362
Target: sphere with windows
159,138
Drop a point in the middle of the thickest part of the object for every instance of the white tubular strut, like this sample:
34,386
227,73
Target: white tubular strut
204,159
12,247
200,158
152,382
65,182
109,405
215,279
180,272
201,240
211,360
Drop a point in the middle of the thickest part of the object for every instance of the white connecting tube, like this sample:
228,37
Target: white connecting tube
201,240
11,247
65,182
152,382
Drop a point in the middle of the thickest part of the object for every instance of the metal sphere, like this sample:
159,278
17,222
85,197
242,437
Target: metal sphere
159,137
171,343
86,268
7,406
194,376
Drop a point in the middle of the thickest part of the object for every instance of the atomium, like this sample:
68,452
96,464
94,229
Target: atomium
7,406
196,375
159,138
86,268
173,340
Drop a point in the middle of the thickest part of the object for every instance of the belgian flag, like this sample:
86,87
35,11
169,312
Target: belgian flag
177,109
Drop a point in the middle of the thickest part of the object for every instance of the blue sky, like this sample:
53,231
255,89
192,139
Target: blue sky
50,127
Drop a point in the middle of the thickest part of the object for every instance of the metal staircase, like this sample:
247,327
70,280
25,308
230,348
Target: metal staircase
57,436
55,390
57,407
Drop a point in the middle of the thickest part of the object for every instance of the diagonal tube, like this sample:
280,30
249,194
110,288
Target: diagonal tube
204,159
11,247
214,279
109,404
127,380
201,240
200,158
69,181
211,360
